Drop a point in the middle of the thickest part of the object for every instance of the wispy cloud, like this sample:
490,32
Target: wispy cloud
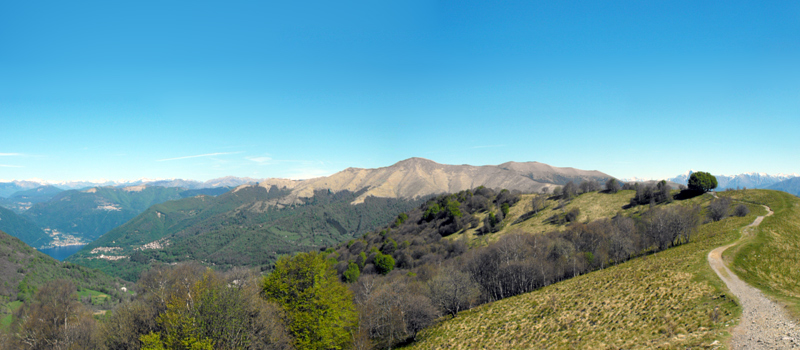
259,159
10,166
198,156
10,154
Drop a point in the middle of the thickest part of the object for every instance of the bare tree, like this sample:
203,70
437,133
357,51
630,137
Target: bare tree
718,209
741,210
452,290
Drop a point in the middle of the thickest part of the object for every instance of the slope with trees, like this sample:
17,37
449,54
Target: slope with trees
669,299
245,227
24,271
20,227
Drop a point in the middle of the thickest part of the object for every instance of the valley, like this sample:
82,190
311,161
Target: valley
559,260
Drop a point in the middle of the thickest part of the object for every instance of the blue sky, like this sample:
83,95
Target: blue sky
198,90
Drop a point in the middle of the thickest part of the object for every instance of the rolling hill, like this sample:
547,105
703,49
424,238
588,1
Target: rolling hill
23,270
253,224
23,200
87,214
664,299
20,227
245,227
791,186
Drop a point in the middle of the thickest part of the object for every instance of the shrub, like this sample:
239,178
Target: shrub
384,263
741,210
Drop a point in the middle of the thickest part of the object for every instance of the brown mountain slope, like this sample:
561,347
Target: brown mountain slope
417,177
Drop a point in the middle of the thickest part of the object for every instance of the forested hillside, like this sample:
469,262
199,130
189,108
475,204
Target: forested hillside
245,227
24,270
20,227
88,214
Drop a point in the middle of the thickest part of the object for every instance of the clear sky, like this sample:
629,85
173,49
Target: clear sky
198,90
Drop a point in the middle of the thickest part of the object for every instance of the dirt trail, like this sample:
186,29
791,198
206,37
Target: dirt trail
764,324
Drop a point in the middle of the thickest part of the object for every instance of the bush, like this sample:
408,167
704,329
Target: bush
718,209
741,210
384,263
612,186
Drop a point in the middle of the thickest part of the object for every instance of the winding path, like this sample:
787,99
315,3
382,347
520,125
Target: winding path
764,324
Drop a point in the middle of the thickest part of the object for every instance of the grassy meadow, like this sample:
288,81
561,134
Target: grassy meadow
768,258
671,299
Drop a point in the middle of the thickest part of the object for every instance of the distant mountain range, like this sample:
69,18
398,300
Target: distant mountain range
10,188
745,180
790,186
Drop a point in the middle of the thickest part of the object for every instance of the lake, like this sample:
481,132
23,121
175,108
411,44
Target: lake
61,253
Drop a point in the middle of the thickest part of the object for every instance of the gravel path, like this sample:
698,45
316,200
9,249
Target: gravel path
764,324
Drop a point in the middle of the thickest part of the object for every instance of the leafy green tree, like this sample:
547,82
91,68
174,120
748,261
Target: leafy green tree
384,263
351,274
702,181
319,309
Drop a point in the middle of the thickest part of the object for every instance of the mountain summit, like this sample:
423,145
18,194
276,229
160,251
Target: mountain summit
419,177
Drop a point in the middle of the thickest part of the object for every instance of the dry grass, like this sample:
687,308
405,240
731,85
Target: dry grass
671,299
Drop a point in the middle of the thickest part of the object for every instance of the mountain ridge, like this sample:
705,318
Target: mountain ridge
418,177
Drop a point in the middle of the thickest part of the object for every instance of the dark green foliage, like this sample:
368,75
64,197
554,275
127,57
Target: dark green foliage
702,181
504,208
384,263
241,228
319,309
91,213
431,212
401,219
351,274
421,234
18,226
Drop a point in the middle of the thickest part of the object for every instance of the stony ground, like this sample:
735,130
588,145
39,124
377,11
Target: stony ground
764,323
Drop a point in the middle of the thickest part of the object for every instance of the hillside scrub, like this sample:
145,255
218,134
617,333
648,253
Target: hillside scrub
516,263
670,299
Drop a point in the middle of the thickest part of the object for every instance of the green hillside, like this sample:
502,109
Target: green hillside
24,269
239,228
791,186
22,200
669,299
88,214
769,260
20,227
